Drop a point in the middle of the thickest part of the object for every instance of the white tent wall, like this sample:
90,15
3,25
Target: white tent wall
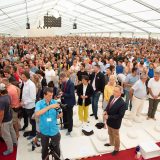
34,32
120,34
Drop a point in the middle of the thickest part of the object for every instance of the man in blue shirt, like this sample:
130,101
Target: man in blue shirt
47,113
119,67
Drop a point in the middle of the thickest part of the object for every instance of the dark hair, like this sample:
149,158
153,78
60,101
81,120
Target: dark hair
2,92
40,72
120,61
15,68
134,64
27,75
111,68
83,65
142,62
47,89
51,84
85,77
134,69
7,69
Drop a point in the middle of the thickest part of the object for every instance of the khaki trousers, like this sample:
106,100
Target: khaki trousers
137,107
114,138
8,134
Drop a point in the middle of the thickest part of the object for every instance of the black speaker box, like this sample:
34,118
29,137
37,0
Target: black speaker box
27,25
74,25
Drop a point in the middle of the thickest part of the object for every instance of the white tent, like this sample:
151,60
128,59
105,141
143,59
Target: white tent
129,18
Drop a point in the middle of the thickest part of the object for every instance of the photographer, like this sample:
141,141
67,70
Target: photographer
46,110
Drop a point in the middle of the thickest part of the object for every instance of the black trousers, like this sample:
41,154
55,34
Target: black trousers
25,117
68,118
28,115
45,144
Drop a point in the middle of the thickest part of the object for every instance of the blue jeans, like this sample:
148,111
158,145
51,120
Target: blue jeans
128,102
95,99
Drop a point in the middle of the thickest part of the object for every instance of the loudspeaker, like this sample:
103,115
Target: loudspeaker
50,21
74,25
27,25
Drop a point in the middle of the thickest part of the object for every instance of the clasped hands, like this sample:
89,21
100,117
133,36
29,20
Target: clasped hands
84,97
105,115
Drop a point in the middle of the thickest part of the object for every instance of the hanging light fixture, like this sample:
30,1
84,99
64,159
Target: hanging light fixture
39,27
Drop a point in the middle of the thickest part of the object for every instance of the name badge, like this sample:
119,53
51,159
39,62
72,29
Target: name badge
49,119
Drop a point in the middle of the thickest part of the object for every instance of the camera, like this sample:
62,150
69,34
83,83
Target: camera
62,106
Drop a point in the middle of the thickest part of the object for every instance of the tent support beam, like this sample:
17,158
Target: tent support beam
148,6
117,19
133,16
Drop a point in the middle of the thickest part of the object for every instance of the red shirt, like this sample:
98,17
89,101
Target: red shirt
16,76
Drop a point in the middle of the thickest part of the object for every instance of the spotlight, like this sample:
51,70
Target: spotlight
27,25
74,25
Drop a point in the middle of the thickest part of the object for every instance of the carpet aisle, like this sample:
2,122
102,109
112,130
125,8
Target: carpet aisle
9,157
128,154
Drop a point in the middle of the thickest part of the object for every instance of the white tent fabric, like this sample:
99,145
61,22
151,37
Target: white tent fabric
91,16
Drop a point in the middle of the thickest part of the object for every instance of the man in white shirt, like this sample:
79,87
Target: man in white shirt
138,95
49,72
28,102
154,95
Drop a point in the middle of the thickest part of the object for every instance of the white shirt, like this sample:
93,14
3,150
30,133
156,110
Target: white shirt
114,100
84,91
154,86
139,89
94,83
49,74
74,68
29,94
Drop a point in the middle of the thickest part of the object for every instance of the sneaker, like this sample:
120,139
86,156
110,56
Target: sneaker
92,114
7,152
68,133
30,137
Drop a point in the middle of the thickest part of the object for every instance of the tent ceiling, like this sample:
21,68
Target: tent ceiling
90,15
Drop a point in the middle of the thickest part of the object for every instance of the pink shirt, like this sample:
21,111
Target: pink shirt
13,92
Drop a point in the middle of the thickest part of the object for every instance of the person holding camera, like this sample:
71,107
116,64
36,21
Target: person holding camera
46,110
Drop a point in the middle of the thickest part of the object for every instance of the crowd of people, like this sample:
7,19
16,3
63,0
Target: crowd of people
35,72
